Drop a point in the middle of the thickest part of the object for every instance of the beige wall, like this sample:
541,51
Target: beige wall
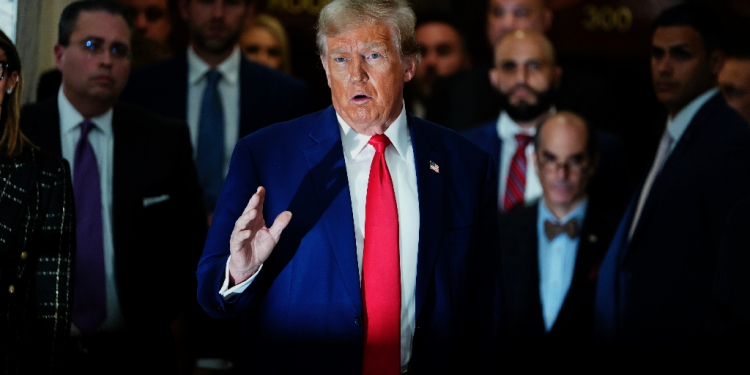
37,34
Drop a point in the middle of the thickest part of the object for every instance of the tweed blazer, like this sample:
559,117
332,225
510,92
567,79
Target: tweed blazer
37,243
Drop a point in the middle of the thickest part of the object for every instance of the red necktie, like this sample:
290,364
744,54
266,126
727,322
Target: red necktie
516,183
381,271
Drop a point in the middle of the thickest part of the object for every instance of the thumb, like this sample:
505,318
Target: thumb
281,221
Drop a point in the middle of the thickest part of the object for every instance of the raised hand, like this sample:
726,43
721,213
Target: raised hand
252,242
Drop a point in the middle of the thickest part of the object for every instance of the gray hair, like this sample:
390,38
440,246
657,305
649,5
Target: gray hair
342,15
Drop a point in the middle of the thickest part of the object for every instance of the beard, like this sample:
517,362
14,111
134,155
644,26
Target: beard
523,111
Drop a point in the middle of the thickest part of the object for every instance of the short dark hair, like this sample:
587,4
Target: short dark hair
69,16
437,16
700,17
592,146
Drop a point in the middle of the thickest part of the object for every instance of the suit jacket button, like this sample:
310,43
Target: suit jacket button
11,289
358,321
24,255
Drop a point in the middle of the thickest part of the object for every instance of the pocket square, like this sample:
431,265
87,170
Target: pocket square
148,201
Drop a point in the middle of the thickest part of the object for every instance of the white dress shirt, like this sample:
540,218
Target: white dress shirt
507,130
229,91
557,261
102,141
399,156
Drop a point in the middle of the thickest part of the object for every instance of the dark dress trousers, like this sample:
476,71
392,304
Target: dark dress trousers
156,246
37,247
303,313
655,287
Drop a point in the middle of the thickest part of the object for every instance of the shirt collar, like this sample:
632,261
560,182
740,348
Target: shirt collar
676,126
229,68
397,132
71,119
578,214
507,128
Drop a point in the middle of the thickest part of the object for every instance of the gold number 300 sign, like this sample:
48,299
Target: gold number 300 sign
607,18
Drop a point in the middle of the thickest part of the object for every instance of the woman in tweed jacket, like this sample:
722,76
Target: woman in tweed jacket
37,240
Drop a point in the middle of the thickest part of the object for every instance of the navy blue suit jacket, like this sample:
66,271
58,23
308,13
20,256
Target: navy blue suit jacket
610,187
303,312
656,287
266,96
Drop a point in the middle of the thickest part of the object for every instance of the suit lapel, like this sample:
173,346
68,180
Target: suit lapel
675,161
325,160
46,128
430,190
526,263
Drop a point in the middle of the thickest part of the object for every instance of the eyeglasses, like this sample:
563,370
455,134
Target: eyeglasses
3,68
576,164
152,13
96,47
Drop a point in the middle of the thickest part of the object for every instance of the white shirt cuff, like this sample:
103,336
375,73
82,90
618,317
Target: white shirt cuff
228,293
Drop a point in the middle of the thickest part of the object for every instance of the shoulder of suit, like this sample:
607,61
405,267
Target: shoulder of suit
266,74
137,116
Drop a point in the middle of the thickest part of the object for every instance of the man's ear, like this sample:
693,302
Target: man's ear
58,51
324,61
410,67
546,19
557,76
183,6
716,61
250,13
495,78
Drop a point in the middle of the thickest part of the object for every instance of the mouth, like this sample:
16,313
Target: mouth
662,86
360,98
103,80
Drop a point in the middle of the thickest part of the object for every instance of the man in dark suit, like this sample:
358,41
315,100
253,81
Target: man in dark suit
655,281
375,272
134,179
550,252
526,77
221,95
469,99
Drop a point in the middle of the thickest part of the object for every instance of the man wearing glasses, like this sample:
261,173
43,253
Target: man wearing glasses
550,252
527,78
134,180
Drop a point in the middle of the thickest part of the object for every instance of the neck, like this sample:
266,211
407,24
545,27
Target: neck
559,211
531,124
88,108
212,58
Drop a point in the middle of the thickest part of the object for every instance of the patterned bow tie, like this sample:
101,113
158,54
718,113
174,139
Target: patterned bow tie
551,230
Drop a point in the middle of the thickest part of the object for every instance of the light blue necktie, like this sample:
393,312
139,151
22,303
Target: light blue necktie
210,154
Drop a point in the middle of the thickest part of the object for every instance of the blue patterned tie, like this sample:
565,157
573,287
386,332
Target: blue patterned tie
211,142
90,298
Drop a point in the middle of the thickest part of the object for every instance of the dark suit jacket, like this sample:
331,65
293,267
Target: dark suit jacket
266,96
156,246
468,99
37,246
522,308
656,286
610,187
731,292
303,312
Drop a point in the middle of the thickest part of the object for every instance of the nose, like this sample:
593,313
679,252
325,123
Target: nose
217,11
140,22
508,22
522,74
664,66
357,71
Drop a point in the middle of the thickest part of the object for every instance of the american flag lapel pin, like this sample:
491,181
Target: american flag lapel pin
434,167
